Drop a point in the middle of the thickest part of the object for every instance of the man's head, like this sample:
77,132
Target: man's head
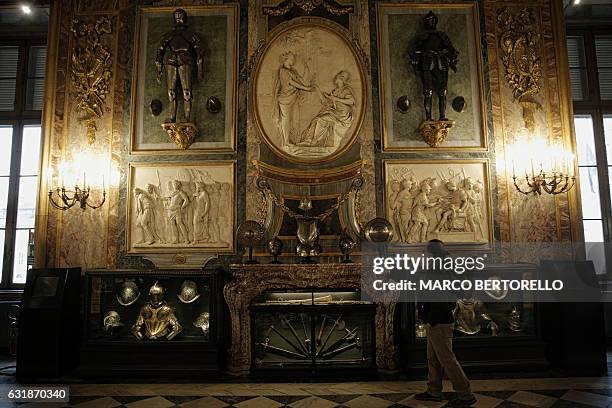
436,248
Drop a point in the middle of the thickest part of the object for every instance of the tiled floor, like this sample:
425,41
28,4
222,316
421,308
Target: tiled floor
516,393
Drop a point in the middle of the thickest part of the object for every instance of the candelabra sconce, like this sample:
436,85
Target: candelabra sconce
69,198
551,183
542,168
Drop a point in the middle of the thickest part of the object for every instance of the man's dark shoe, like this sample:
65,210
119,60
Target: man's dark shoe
426,396
458,402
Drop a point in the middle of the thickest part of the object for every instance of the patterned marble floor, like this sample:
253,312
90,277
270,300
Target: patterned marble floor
516,393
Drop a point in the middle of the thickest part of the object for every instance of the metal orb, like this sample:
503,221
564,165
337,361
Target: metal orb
459,104
378,230
155,107
403,104
213,105
346,244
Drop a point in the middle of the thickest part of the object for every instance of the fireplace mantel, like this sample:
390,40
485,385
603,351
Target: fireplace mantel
251,280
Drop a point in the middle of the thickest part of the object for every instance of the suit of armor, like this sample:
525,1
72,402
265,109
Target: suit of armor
156,318
180,52
432,56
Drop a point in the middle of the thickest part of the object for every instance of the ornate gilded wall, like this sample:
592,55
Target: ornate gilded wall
97,238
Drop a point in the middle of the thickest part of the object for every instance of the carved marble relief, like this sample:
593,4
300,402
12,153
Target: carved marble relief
309,93
181,207
447,200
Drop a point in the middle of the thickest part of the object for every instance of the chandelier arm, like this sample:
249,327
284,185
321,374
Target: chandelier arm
519,188
56,205
95,207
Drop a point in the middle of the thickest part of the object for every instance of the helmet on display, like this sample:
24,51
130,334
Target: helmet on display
112,319
497,294
156,294
189,292
128,294
203,322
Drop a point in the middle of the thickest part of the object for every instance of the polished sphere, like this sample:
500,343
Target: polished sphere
378,230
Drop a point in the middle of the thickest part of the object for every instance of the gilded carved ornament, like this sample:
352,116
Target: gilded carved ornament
90,71
308,6
519,43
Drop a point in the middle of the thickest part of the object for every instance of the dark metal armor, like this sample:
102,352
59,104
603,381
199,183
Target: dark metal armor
431,56
180,53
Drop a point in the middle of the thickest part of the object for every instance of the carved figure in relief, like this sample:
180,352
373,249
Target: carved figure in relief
201,207
214,190
180,53
335,118
404,204
451,206
145,213
225,200
420,221
472,215
394,187
288,89
178,201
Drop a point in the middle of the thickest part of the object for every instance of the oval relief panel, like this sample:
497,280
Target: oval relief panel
309,92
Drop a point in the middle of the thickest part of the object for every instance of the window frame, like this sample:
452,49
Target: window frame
594,107
18,119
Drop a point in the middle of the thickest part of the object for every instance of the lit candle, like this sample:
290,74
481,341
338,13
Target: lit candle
103,185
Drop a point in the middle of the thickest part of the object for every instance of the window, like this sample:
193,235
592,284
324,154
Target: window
590,64
22,70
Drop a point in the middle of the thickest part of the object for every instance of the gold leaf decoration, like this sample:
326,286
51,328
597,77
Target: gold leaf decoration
308,6
90,71
519,44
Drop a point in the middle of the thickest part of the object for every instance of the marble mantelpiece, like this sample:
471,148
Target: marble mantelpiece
250,281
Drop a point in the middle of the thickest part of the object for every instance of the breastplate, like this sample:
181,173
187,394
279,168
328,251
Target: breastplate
156,321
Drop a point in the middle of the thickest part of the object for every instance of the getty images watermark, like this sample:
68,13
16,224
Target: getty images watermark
552,275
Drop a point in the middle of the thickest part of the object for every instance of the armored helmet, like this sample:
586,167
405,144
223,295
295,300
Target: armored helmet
128,294
189,292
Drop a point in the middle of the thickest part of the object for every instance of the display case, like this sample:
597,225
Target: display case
488,329
312,331
152,320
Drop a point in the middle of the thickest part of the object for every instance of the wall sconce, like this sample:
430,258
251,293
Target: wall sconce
72,189
542,168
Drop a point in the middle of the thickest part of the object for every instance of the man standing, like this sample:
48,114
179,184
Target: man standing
440,356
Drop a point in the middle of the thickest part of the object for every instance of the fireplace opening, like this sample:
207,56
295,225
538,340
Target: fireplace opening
311,330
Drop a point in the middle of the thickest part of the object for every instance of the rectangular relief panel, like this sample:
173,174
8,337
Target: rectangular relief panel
447,199
181,207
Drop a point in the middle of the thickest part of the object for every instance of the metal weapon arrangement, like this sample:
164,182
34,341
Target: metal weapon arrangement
302,346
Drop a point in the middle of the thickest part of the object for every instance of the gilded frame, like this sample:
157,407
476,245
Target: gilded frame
487,196
231,94
387,104
227,164
273,36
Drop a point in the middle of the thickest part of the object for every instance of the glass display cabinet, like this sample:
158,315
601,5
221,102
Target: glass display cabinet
152,319
313,330
488,328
